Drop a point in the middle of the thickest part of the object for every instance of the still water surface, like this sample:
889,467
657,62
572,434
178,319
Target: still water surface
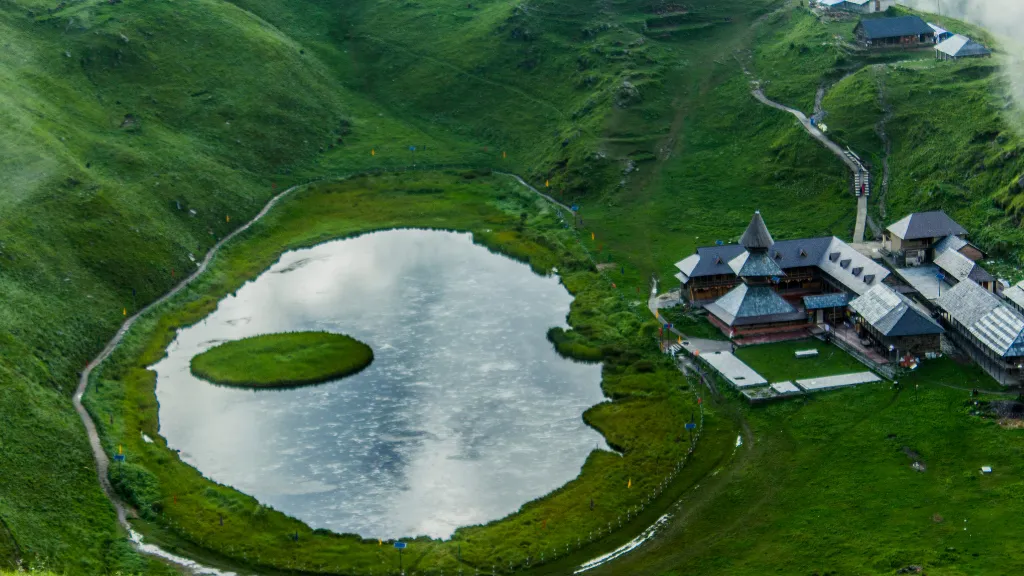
465,414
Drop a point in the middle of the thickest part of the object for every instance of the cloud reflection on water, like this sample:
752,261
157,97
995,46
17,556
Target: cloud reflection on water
465,414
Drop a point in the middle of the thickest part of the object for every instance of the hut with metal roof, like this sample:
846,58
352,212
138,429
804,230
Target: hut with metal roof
1015,295
957,47
902,31
988,328
894,323
910,239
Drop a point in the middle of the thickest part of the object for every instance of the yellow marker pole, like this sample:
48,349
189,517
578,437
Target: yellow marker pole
591,235
120,449
373,152
547,183
227,218
630,484
124,312
503,155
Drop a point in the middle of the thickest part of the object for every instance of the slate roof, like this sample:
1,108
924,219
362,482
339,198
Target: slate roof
754,264
1015,294
752,304
998,326
949,243
961,46
859,274
932,224
822,301
961,267
877,28
756,236
893,314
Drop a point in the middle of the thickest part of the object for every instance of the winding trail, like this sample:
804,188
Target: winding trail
855,167
102,460
101,457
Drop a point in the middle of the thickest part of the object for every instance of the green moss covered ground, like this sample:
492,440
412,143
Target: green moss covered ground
282,360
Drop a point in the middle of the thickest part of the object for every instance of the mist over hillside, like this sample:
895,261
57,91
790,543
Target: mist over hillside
1004,18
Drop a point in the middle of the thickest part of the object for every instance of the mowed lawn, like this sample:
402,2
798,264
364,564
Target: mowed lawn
777,362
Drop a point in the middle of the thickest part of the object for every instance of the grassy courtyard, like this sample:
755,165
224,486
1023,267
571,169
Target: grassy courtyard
777,362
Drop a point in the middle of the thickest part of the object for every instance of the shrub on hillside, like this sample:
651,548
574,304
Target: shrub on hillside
138,485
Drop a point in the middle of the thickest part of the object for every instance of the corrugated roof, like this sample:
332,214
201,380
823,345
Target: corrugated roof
1015,294
955,264
949,243
893,314
961,46
961,267
822,301
877,28
756,236
926,225
996,325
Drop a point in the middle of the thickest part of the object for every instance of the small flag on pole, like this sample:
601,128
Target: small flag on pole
124,312
630,483
591,235
373,152
380,542
503,154
227,218
547,183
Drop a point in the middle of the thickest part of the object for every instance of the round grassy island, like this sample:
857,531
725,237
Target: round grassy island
282,360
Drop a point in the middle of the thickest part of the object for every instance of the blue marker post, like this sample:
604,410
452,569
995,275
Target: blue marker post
400,546
689,427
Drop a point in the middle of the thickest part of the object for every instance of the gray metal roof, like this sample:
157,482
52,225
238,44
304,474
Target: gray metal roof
860,272
893,314
961,47
961,267
950,242
756,235
1015,294
750,304
926,225
713,260
822,301
877,28
995,324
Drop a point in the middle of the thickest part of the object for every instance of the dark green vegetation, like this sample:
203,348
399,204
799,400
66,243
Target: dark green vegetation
119,120
692,324
179,503
776,361
282,360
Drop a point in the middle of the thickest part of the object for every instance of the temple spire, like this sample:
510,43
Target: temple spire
757,236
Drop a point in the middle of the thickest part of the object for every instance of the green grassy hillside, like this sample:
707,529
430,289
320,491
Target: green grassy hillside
134,134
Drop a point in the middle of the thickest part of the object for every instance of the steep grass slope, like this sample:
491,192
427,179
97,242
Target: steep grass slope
131,133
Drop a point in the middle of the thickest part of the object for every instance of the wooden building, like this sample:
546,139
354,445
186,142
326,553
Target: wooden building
911,239
894,324
903,31
988,328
